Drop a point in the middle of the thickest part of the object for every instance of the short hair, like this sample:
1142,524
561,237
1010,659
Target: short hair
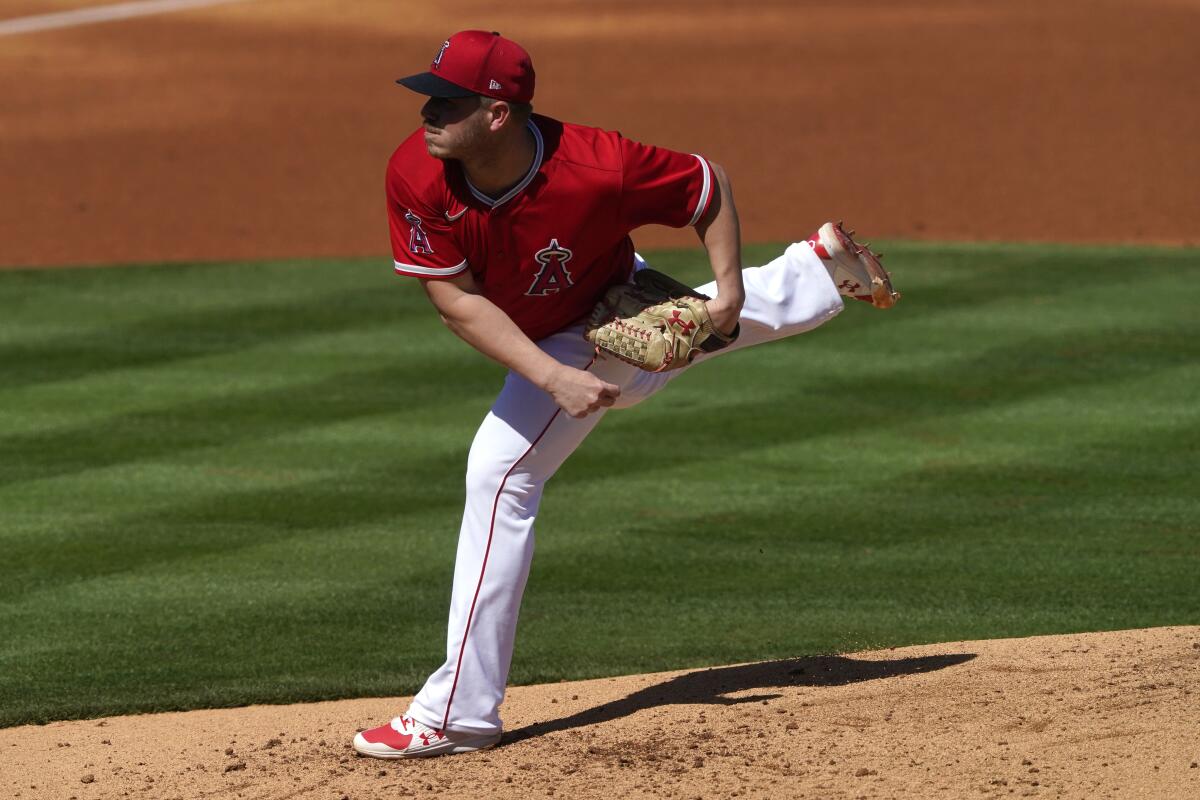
521,111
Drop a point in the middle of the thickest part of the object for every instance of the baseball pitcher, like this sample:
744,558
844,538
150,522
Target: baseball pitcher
518,228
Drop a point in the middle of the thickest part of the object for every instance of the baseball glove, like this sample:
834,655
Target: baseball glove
656,323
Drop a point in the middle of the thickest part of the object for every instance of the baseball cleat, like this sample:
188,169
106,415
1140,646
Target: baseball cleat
404,737
854,268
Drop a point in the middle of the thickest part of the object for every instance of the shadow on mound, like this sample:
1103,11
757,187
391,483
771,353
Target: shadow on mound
712,686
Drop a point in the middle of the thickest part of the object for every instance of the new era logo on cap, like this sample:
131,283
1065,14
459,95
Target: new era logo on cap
477,62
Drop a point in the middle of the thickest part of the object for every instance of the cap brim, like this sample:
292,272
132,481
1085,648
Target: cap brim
429,84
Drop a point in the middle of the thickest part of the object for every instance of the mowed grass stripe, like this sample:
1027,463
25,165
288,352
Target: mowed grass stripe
260,504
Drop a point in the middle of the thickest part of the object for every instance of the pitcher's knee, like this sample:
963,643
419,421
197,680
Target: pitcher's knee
488,473
485,472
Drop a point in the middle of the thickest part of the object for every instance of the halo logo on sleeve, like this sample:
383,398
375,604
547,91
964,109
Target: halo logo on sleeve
553,276
418,242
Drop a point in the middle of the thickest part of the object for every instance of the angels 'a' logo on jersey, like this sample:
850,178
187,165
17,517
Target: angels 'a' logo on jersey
418,242
553,276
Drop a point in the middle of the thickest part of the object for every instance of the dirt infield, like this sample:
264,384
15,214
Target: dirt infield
1098,715
260,129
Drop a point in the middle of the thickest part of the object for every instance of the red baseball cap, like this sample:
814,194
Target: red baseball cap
477,62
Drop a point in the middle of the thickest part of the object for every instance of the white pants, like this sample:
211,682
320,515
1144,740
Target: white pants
521,443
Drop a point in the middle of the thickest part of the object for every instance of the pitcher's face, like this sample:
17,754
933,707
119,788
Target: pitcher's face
454,126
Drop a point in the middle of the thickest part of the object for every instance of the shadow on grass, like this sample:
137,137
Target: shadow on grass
713,686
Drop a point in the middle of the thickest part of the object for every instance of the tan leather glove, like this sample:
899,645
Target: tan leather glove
655,323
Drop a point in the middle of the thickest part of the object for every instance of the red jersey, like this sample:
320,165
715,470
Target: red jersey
546,251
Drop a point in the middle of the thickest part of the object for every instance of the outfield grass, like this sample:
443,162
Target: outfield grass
223,484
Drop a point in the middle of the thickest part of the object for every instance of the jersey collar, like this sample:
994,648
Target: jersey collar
516,190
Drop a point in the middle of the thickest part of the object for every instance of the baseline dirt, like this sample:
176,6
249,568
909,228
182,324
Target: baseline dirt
1096,715
260,129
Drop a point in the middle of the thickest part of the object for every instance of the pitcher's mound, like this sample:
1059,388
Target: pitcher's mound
1089,716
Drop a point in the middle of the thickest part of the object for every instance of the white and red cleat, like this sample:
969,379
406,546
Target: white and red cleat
854,268
404,737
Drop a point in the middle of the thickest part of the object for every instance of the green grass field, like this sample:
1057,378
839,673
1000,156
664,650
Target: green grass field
223,484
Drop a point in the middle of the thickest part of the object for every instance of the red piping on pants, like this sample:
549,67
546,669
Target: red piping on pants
487,551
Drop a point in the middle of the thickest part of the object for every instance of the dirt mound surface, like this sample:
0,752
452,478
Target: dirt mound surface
1092,715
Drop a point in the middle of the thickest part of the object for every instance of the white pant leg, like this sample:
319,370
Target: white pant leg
521,443
790,295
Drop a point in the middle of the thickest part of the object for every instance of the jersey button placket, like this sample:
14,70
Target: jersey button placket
499,233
